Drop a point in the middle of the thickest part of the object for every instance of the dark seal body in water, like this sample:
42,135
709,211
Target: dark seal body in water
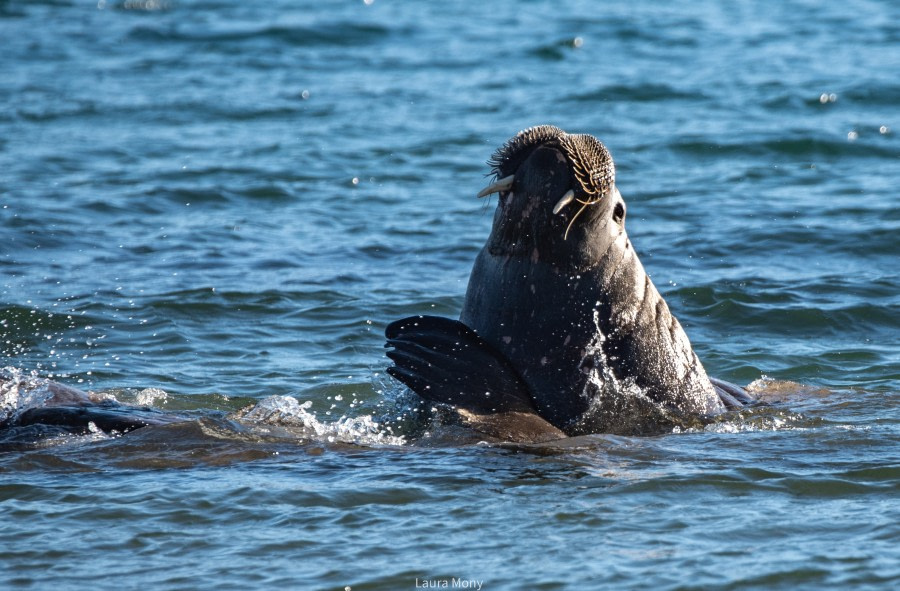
33,408
562,332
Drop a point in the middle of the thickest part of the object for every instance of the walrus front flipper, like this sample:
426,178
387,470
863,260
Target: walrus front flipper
443,360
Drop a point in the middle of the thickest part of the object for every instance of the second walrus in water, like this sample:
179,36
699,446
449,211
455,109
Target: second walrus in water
562,332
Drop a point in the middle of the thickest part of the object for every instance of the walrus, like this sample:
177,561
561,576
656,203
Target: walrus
562,333
51,408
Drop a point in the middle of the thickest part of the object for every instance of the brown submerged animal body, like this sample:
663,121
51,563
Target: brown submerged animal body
562,332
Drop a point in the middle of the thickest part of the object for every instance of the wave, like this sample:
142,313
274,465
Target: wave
340,34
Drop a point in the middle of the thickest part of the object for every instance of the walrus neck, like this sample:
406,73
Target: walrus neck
541,241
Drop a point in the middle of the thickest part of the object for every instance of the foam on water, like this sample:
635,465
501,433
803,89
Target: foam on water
21,390
94,434
151,396
287,412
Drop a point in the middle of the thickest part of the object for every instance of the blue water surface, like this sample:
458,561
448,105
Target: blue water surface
204,205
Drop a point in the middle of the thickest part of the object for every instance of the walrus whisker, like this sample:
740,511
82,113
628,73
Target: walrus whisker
566,199
584,205
503,184
574,217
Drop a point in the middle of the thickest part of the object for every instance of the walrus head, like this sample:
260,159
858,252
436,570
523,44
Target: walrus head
555,190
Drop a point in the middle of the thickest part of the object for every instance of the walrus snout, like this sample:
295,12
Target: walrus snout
547,175
541,152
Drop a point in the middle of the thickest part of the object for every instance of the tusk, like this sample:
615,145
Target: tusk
566,199
502,185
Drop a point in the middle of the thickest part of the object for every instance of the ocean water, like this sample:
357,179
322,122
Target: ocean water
213,206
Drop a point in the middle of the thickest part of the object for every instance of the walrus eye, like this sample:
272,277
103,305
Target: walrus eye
618,215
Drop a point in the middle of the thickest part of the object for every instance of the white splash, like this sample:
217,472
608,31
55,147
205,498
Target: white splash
614,405
151,397
753,421
20,391
287,411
